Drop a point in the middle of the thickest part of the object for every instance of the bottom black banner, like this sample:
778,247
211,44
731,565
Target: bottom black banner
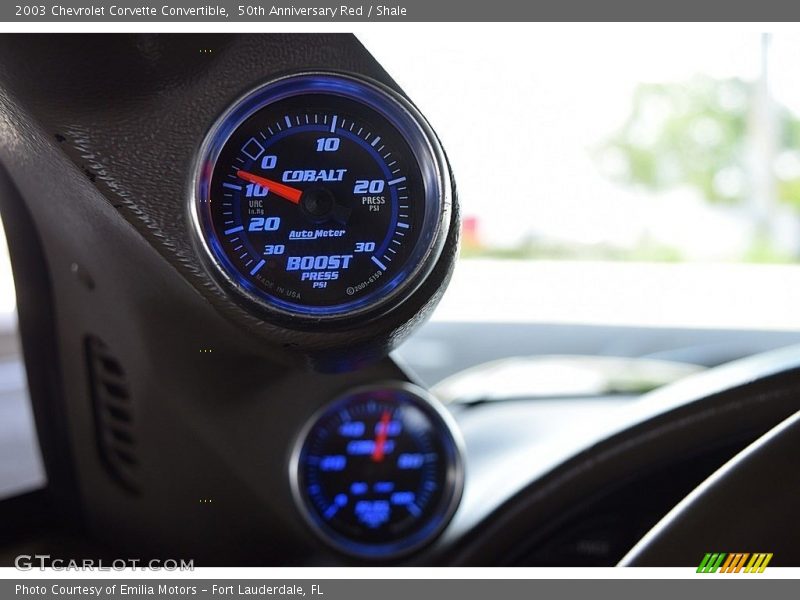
397,589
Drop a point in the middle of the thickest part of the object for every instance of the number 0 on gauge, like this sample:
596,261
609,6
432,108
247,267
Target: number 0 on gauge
321,196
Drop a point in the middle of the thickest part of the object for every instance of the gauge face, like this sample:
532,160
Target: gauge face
378,473
322,196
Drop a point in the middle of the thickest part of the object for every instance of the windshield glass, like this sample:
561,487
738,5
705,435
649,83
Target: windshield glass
646,183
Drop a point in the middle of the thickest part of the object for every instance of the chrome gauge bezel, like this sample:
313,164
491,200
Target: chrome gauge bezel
426,150
454,477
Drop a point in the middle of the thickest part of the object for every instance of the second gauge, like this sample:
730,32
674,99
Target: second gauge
379,472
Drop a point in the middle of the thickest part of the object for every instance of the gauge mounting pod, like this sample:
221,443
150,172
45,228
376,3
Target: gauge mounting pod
321,198
378,472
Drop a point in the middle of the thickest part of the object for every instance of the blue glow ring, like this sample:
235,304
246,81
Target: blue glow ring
424,147
453,482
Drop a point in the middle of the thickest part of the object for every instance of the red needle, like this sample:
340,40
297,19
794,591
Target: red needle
380,436
284,191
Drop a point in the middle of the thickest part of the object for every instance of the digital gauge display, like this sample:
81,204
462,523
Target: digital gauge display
322,196
378,472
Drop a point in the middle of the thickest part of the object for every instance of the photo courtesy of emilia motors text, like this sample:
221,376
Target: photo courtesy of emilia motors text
430,299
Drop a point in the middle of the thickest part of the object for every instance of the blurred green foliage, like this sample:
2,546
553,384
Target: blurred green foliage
699,134
695,134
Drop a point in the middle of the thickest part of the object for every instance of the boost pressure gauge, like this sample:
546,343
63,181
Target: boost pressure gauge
321,196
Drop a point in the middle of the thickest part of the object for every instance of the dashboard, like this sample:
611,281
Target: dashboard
242,239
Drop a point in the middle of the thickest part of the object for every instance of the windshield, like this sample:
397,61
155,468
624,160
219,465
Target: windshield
644,184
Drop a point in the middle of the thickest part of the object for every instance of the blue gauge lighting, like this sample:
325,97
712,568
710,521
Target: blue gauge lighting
321,196
378,472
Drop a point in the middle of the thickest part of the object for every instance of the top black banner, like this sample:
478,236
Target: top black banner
99,11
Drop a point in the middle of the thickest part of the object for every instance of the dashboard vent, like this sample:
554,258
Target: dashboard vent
113,414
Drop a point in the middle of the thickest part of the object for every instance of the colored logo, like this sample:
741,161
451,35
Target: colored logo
735,562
